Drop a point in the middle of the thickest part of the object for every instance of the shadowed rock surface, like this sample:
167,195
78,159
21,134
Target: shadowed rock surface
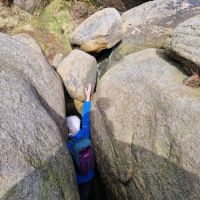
121,5
101,30
184,44
146,130
34,67
149,24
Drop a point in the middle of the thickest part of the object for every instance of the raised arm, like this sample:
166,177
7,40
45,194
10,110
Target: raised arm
86,112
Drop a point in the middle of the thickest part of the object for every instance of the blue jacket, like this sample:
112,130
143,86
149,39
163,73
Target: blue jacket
84,131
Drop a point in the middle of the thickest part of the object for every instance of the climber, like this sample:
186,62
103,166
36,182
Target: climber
80,148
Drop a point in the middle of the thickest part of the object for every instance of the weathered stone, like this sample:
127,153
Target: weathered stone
30,5
121,5
17,55
27,39
34,161
57,60
145,130
79,9
101,30
77,70
150,24
184,44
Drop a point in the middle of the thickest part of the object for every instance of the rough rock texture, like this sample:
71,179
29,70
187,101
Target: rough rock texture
34,161
184,44
30,5
149,24
17,55
145,130
27,39
81,10
101,30
77,70
121,5
57,60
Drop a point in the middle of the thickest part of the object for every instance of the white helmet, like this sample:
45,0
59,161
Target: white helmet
73,123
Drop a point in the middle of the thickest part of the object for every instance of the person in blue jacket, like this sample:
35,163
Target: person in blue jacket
76,135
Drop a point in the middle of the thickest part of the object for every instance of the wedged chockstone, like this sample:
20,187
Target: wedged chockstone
34,67
150,24
145,130
77,70
102,30
184,44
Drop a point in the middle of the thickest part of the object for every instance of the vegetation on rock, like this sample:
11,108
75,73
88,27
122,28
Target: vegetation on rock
50,27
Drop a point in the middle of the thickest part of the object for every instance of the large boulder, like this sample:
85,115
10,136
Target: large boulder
184,44
77,70
34,66
30,5
35,163
150,24
101,30
145,130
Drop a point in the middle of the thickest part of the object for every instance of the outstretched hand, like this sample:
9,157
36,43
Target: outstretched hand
88,92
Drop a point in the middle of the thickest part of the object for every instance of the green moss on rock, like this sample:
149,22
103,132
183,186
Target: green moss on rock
10,194
51,27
